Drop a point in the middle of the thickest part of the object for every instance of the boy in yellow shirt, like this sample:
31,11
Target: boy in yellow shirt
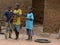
16,20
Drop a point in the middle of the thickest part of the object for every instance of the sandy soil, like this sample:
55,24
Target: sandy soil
22,40
23,36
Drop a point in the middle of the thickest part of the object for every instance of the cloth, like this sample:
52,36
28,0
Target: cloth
16,19
16,27
7,27
29,32
8,15
29,23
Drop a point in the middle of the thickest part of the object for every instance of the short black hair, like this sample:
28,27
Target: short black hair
17,4
9,6
30,8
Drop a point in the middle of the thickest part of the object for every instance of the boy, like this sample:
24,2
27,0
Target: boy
29,23
16,20
8,15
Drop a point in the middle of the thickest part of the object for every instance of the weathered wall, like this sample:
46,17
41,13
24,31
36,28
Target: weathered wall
38,9
23,3
52,16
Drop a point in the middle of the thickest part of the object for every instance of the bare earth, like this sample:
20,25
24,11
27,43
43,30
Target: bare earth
23,36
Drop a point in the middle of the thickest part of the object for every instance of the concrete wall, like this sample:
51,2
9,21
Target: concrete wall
52,16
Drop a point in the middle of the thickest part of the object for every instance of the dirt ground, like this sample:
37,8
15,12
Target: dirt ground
22,41
36,35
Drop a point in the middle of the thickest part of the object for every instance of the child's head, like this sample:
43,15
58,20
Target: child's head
29,9
9,8
17,6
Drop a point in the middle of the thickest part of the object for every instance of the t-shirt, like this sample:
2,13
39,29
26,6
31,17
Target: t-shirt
16,19
29,23
8,15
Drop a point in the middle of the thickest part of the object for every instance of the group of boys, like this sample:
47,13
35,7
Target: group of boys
13,21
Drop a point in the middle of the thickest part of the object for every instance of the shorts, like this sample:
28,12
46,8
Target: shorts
16,27
7,27
29,32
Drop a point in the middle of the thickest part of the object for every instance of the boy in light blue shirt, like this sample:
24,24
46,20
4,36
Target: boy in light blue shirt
29,23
